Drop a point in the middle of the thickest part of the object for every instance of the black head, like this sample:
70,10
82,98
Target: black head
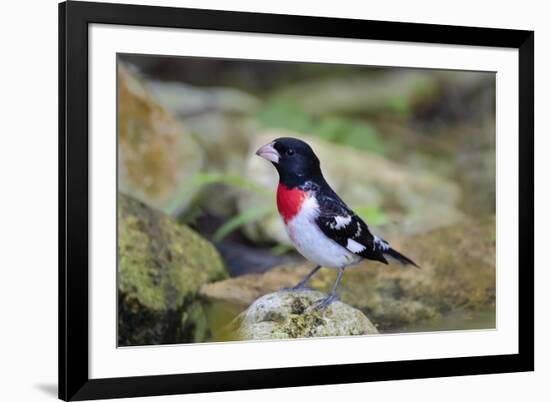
294,160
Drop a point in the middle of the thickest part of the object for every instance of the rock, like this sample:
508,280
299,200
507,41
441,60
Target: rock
161,267
464,152
222,118
157,154
394,92
457,276
187,100
225,140
478,177
223,123
476,168
289,314
412,200
397,92
244,289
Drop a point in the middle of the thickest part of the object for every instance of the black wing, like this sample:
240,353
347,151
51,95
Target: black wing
339,222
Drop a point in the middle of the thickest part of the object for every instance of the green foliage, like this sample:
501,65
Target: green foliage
400,105
281,113
280,249
242,219
201,180
372,215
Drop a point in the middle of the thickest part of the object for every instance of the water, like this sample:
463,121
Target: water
454,321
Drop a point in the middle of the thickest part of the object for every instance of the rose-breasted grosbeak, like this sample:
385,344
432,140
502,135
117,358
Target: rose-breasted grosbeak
321,226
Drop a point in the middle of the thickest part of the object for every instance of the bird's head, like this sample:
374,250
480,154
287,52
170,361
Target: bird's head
294,160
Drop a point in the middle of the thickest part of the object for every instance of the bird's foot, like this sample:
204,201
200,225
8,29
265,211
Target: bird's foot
325,302
297,288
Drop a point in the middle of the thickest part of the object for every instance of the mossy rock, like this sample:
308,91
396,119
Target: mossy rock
157,153
291,314
161,267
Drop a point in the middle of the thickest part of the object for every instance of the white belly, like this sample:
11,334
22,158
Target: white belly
312,243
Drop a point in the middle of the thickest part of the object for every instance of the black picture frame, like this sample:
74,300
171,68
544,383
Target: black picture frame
74,19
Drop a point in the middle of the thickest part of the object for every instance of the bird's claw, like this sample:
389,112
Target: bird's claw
298,287
325,302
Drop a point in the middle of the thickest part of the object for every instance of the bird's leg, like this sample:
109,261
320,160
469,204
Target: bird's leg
301,285
303,282
332,296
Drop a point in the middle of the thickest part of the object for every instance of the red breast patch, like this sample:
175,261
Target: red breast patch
289,201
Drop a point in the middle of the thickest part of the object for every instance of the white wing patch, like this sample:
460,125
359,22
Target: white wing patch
341,221
359,230
380,243
354,247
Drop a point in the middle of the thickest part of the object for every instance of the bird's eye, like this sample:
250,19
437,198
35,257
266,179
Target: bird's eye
290,152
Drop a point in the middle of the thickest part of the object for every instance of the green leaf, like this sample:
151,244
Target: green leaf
282,113
280,249
204,179
241,219
331,128
363,136
371,215
400,105
200,180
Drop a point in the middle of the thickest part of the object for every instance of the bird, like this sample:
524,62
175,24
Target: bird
319,224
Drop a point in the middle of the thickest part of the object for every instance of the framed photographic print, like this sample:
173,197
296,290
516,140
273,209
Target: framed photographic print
257,200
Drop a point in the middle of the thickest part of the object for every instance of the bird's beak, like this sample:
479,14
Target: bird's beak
268,152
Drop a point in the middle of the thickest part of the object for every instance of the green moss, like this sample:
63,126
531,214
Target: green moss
287,314
298,306
304,325
274,316
161,267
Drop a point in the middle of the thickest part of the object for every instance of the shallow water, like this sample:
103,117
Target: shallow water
219,316
454,321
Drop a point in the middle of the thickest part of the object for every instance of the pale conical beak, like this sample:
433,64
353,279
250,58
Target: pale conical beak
268,152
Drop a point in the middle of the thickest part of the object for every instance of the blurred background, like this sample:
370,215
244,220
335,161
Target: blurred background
411,151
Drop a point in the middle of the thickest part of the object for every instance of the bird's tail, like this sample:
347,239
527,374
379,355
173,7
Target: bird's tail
392,254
